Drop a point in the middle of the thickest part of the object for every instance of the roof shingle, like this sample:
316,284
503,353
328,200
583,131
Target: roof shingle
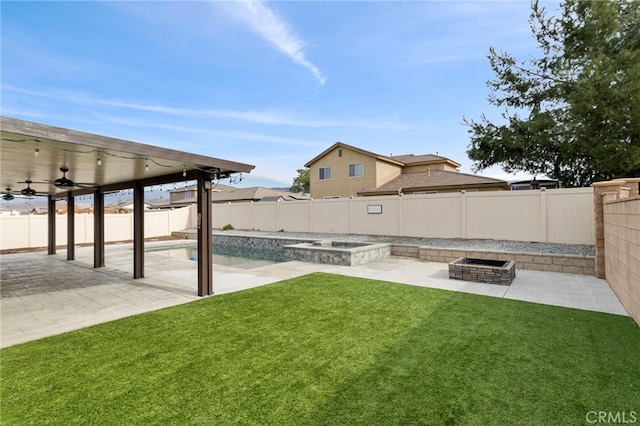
434,180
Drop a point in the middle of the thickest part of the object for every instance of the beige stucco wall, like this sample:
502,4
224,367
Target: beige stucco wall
385,172
340,184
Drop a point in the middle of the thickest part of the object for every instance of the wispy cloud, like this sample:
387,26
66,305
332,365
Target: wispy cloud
256,117
269,25
218,135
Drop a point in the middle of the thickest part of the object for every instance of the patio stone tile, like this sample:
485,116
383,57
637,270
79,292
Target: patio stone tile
45,295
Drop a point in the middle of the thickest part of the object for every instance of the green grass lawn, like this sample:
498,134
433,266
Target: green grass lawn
326,349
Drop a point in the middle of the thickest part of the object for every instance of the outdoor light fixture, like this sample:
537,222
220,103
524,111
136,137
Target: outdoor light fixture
37,151
184,171
146,164
99,160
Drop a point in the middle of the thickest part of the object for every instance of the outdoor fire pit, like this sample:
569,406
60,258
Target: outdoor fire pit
483,270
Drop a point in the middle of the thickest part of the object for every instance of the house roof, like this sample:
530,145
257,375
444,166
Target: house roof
433,181
224,193
272,198
411,159
216,188
400,160
354,148
123,203
243,194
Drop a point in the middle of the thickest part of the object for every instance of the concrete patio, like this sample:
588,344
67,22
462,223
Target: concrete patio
45,295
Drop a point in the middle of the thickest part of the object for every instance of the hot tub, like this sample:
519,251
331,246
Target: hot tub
345,253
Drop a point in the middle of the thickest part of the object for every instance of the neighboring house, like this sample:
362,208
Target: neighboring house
188,195
229,194
534,184
343,170
123,207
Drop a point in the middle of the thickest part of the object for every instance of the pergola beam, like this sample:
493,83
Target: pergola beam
98,230
138,231
71,227
51,219
205,239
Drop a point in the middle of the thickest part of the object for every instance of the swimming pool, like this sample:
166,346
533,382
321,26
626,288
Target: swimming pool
190,252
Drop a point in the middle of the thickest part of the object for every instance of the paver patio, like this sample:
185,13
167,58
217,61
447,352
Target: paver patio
45,295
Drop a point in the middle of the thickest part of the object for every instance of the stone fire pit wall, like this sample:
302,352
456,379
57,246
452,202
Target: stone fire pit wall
483,270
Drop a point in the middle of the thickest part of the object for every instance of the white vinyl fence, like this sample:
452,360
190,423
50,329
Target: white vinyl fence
556,215
31,230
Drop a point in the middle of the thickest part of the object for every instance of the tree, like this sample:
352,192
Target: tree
574,113
301,182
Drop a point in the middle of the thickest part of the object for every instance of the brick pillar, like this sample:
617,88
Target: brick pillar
600,189
633,184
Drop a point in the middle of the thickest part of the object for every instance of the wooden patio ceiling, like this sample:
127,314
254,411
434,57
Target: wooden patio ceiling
121,162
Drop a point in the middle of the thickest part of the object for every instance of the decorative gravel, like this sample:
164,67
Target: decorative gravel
587,250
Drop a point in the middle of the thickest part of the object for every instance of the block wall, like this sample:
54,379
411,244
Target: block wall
622,251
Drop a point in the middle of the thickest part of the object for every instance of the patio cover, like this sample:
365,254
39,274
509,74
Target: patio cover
98,165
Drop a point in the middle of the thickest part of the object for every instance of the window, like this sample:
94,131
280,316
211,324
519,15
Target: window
356,169
324,173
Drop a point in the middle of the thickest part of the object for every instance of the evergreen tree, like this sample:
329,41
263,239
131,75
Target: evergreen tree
301,182
574,113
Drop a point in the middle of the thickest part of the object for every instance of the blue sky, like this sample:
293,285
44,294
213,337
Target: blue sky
267,83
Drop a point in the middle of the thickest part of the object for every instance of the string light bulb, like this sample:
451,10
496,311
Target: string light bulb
99,160
184,171
37,151
146,164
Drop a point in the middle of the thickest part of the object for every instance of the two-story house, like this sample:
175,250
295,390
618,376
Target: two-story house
343,170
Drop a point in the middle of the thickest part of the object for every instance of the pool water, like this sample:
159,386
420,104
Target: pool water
191,253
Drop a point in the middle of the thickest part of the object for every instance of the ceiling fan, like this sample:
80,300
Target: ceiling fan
62,182
29,192
65,182
8,196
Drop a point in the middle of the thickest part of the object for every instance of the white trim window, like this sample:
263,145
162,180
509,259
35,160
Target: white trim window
356,169
324,173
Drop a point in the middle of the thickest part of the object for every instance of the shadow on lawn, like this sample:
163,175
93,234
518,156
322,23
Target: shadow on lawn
479,360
